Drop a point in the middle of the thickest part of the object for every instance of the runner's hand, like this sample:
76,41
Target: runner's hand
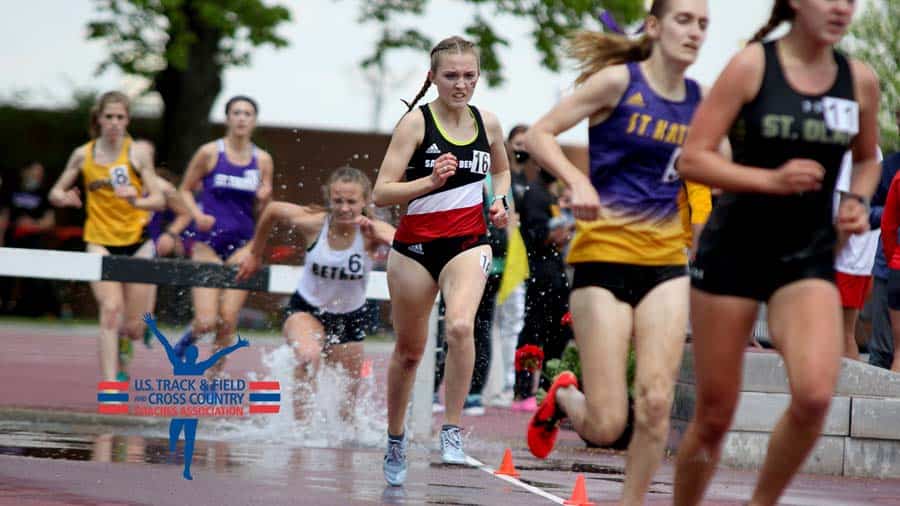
585,201
853,217
365,226
499,216
444,168
126,192
205,222
165,244
68,198
247,266
797,176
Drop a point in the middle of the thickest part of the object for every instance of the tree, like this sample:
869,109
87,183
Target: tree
553,21
182,47
875,39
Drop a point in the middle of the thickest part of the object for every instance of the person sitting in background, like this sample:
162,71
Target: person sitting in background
27,219
853,266
882,342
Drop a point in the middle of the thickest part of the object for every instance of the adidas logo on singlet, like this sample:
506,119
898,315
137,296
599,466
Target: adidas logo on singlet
636,100
432,150
417,248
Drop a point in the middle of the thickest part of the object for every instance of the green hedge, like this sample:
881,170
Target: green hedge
49,136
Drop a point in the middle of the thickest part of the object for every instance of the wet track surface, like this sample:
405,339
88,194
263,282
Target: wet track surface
54,450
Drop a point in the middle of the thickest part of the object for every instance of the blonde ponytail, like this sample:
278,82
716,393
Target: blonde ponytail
595,51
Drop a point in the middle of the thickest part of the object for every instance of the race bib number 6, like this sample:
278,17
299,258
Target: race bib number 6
671,173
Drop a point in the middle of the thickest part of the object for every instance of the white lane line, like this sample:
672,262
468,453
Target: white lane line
515,481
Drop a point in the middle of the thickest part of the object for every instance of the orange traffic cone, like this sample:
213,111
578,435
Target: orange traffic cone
506,467
579,495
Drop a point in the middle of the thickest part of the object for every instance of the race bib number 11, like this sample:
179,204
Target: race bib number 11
841,115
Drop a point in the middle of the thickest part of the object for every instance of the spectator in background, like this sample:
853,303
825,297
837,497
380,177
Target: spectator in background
546,233
518,158
509,312
28,220
883,341
853,266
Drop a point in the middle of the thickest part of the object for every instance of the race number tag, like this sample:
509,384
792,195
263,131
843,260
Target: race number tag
841,115
481,162
671,174
118,176
485,263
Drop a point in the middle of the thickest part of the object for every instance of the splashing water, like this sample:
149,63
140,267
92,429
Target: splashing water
322,425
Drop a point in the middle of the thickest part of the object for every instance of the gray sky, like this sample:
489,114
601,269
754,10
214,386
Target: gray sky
316,81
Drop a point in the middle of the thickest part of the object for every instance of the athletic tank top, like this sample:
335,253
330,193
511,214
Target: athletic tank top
454,209
335,280
780,124
632,157
229,193
111,221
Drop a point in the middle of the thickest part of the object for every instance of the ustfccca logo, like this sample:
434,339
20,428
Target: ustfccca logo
188,395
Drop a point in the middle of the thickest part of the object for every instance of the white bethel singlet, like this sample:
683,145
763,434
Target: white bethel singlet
335,280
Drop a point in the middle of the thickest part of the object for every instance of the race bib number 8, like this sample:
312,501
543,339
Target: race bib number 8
841,115
118,176
481,162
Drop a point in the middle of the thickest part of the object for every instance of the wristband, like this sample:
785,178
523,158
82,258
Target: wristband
502,199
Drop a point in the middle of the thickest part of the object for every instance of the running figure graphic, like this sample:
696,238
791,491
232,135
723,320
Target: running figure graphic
188,367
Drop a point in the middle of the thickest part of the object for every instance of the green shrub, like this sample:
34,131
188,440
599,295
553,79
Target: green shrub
570,361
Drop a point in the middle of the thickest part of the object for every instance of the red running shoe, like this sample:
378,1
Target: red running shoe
544,425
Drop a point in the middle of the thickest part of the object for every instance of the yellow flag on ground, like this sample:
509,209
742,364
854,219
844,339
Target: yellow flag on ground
515,270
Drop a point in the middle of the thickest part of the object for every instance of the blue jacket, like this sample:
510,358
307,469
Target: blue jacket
889,167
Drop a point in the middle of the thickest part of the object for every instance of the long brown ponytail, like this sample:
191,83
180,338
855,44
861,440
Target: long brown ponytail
455,44
781,12
597,50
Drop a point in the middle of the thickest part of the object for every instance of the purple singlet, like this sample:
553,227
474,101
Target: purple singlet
632,167
229,193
